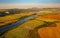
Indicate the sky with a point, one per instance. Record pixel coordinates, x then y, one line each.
28 3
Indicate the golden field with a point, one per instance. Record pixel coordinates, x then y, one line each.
50 32
48 15
12 18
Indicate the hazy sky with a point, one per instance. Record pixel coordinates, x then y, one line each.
28 3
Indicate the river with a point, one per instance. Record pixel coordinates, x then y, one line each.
15 24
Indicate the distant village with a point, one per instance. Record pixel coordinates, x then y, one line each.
4 12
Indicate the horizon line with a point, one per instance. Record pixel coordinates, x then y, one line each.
30 5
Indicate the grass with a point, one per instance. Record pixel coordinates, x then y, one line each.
12 18
23 30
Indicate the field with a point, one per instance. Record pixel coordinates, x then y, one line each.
50 32
46 25
12 18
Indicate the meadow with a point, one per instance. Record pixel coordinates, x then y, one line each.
46 25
